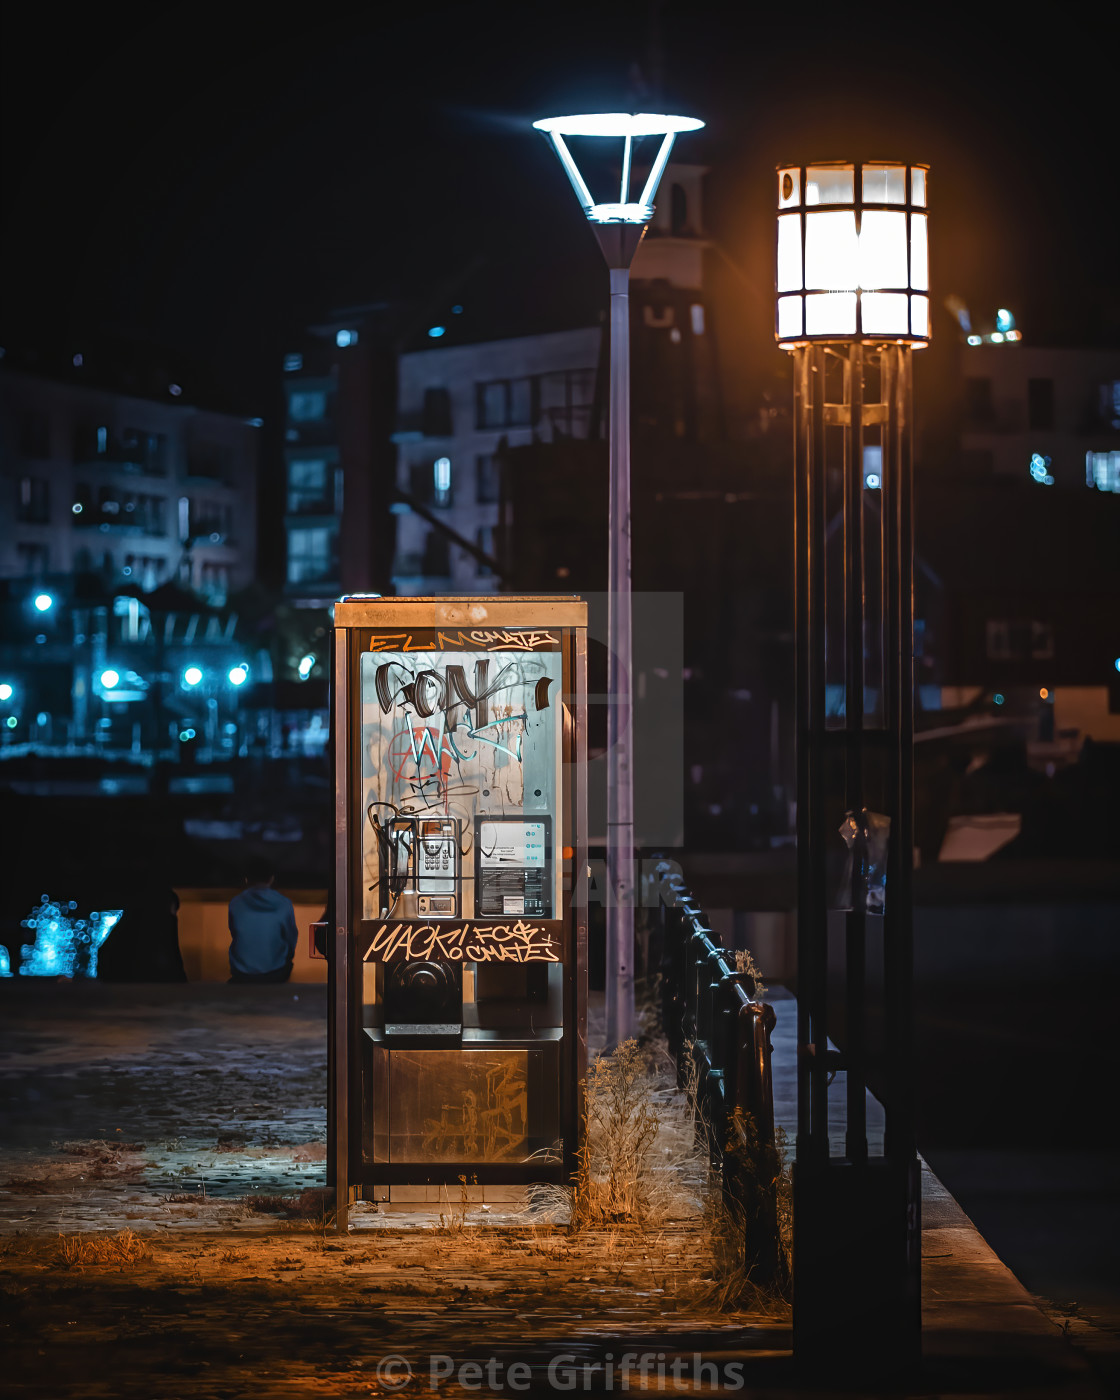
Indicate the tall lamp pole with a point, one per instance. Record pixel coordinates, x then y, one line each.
619 226
853 305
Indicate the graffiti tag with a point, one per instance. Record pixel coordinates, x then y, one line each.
519 942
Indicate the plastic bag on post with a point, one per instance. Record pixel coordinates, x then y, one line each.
865 870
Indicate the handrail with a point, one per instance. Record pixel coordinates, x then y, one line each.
719 1038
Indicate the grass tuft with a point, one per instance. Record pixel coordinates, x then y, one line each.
124 1248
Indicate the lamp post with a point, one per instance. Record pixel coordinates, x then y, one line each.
853 304
619 226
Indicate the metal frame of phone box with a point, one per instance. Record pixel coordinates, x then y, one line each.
502 625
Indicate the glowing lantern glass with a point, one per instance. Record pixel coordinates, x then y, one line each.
853 253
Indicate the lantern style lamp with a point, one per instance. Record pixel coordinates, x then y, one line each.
853 253
852 305
619 220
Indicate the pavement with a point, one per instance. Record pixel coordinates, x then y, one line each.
171 1113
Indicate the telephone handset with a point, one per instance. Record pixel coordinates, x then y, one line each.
424 875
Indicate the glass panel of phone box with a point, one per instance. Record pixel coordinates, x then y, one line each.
462 890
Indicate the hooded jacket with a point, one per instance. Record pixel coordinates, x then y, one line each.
262 925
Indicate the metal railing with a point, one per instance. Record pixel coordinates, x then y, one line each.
719 1037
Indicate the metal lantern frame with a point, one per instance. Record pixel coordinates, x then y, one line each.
856 1230
895 196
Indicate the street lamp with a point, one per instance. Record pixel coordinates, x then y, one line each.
852 304
192 676
110 679
238 674
43 602
618 225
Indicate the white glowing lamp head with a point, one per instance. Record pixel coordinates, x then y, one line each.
853 253
625 127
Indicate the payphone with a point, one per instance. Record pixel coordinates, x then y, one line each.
458 1001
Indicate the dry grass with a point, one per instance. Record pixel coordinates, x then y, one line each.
640 1163
744 962
314 1204
124 1248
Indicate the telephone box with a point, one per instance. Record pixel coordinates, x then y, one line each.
459 942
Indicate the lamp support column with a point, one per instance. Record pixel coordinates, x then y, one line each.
620 776
618 243
856 1201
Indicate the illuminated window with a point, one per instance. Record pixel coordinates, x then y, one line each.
312 554
307 486
307 406
1102 470
441 481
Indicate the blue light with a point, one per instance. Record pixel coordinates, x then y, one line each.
11 721
1040 469
64 946
185 734
456 311
1004 320
1116 663
192 675
43 602
77 507
436 331
239 675
344 338
6 691
998 698
306 666
109 679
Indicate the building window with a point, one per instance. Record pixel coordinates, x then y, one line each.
1040 403
1102 470
144 569
35 435
978 402
213 581
565 399
307 405
33 559
487 478
307 486
210 518
34 500
1019 640
311 554
505 403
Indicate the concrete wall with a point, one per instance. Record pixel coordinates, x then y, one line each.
204 934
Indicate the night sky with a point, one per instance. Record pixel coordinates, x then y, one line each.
213 185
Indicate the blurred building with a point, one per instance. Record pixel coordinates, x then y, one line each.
1047 415
466 406
133 490
339 459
